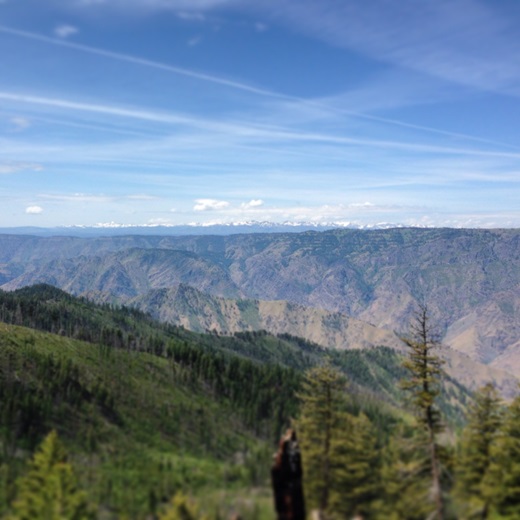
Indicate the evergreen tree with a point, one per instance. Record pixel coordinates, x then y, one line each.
405 478
48 491
502 481
474 455
424 368
339 454
356 469
322 421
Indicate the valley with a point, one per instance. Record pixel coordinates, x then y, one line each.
348 287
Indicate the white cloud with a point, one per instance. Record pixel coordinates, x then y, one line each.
142 196
210 205
33 210
261 27
64 31
20 123
79 197
361 205
255 203
159 222
14 167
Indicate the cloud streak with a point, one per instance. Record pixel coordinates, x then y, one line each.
442 38
259 133
146 63
7 168
237 85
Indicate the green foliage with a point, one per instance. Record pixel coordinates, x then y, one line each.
140 426
424 369
339 453
49 490
405 480
501 485
472 489
181 508
147 409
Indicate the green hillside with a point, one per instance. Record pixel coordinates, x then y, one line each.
147 409
139 425
376 371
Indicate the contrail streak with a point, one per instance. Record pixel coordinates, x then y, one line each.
237 85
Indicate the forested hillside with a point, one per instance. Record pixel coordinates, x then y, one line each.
146 410
150 406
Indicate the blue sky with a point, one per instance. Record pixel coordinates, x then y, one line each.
173 111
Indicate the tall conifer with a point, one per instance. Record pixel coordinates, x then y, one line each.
502 481
472 489
339 453
322 422
424 368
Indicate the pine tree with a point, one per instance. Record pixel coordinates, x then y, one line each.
355 469
502 481
425 370
339 453
48 491
405 478
322 421
474 455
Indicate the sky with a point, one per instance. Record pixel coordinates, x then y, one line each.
173 112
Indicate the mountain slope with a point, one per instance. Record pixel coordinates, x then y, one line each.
130 272
197 311
468 278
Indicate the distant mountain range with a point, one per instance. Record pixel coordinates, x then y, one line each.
337 287
251 226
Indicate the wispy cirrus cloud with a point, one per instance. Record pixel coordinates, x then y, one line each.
20 123
247 132
324 107
78 197
218 80
443 38
192 42
64 31
18 166
191 16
